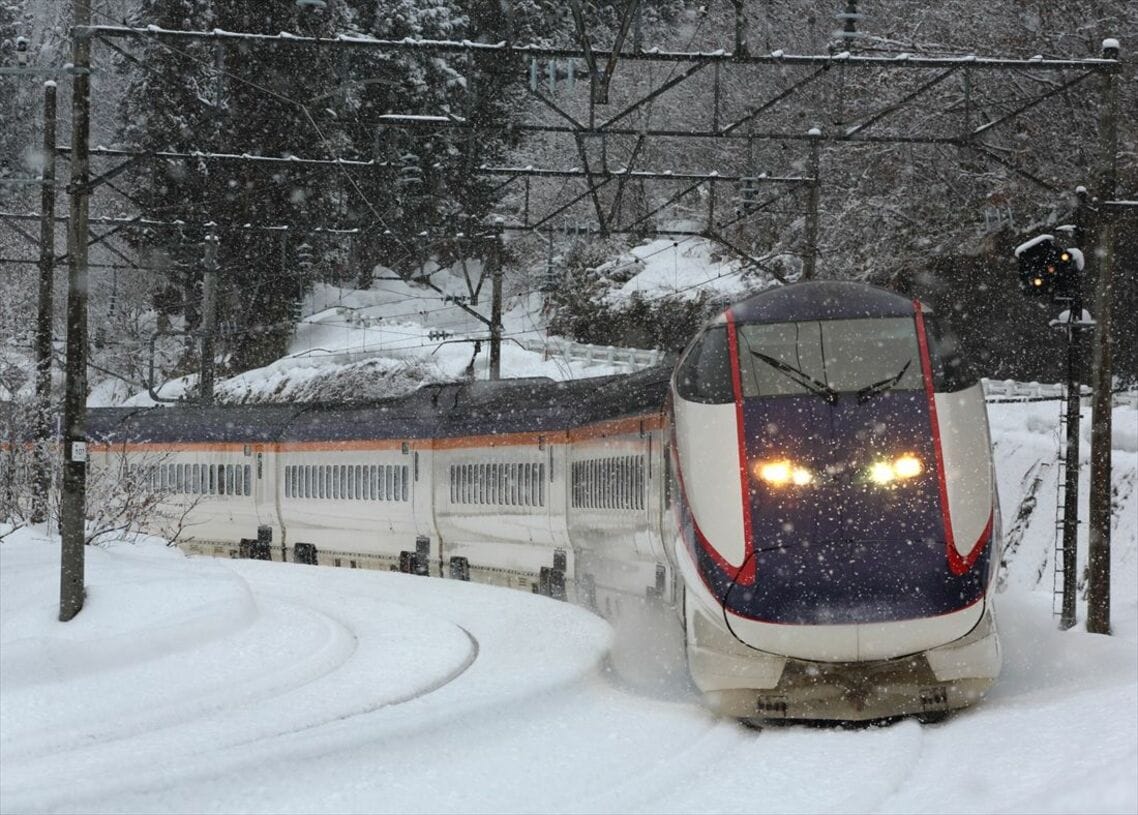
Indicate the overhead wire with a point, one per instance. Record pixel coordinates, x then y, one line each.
303 108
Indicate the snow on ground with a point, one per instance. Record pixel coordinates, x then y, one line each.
394 337
665 266
197 685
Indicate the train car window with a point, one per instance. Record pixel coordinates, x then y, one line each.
405 483
373 494
639 488
704 374
289 475
231 485
345 486
827 357
248 479
350 483
951 372
797 345
211 474
861 353
541 485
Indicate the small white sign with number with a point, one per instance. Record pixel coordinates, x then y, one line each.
79 451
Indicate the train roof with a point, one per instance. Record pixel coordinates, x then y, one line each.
434 411
821 300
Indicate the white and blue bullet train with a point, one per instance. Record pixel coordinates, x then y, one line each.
810 493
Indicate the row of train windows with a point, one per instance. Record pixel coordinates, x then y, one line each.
511 485
195 479
609 483
349 482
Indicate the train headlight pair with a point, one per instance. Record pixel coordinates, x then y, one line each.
901 468
783 473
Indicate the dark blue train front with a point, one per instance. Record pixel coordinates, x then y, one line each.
834 493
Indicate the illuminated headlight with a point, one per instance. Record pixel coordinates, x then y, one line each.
900 469
783 472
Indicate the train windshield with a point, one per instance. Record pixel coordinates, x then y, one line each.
824 358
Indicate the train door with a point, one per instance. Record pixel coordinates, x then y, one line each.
420 463
265 500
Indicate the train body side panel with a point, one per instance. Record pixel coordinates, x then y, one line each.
966 446
493 503
348 501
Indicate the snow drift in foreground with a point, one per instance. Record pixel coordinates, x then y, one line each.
196 685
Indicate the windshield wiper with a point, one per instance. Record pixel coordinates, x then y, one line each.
800 377
870 391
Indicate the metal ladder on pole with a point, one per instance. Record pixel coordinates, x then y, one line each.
1060 556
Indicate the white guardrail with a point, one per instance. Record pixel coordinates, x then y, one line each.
1008 390
628 359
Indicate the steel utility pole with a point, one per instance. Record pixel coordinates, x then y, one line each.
496 303
42 479
1098 560
209 317
810 255
73 505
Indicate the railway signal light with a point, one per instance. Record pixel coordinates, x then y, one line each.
1045 268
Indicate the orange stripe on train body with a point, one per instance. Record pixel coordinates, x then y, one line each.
597 430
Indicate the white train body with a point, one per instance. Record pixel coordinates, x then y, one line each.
638 491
